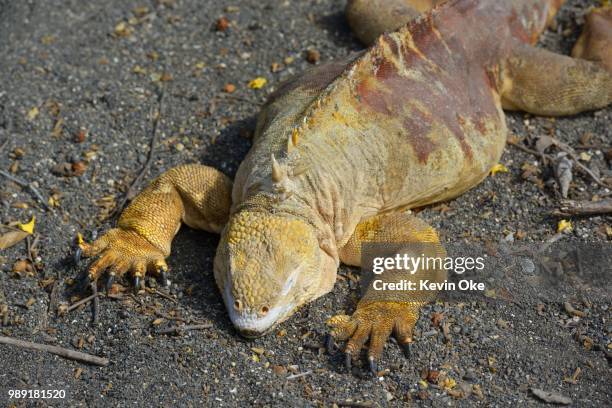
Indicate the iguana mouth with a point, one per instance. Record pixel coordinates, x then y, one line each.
252 325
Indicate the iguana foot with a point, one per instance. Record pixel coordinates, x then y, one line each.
120 251
197 195
375 321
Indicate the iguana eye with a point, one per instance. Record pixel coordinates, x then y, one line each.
238 305
264 310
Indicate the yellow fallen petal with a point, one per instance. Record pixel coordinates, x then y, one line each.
449 383
29 227
564 226
80 239
258 83
499 168
53 202
33 113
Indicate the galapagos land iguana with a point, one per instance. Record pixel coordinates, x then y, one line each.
343 151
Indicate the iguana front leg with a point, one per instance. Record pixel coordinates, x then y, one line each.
197 195
381 313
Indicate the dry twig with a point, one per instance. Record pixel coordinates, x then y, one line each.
180 329
29 186
300 375
571 207
82 302
567 149
60 351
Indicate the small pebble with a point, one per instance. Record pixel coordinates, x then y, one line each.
313 56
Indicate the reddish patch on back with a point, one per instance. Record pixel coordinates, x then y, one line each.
386 38
418 127
455 51
373 98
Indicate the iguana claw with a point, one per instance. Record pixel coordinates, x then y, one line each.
373 366
163 276
137 284
348 361
77 255
407 349
109 282
330 344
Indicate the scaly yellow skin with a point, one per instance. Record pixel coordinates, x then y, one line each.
341 152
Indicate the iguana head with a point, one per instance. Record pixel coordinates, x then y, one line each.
266 267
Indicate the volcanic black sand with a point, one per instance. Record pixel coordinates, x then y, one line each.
79 85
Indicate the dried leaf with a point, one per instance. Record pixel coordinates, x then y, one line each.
29 226
222 24
564 226
586 138
563 173
139 70
436 318
57 128
258 83
22 266
122 29
12 238
499 168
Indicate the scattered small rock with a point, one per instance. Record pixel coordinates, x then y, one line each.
222 24
257 350
279 370
80 136
423 395
313 56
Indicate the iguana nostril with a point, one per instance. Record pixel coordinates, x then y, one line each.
238 305
264 310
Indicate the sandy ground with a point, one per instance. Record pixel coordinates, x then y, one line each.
78 83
